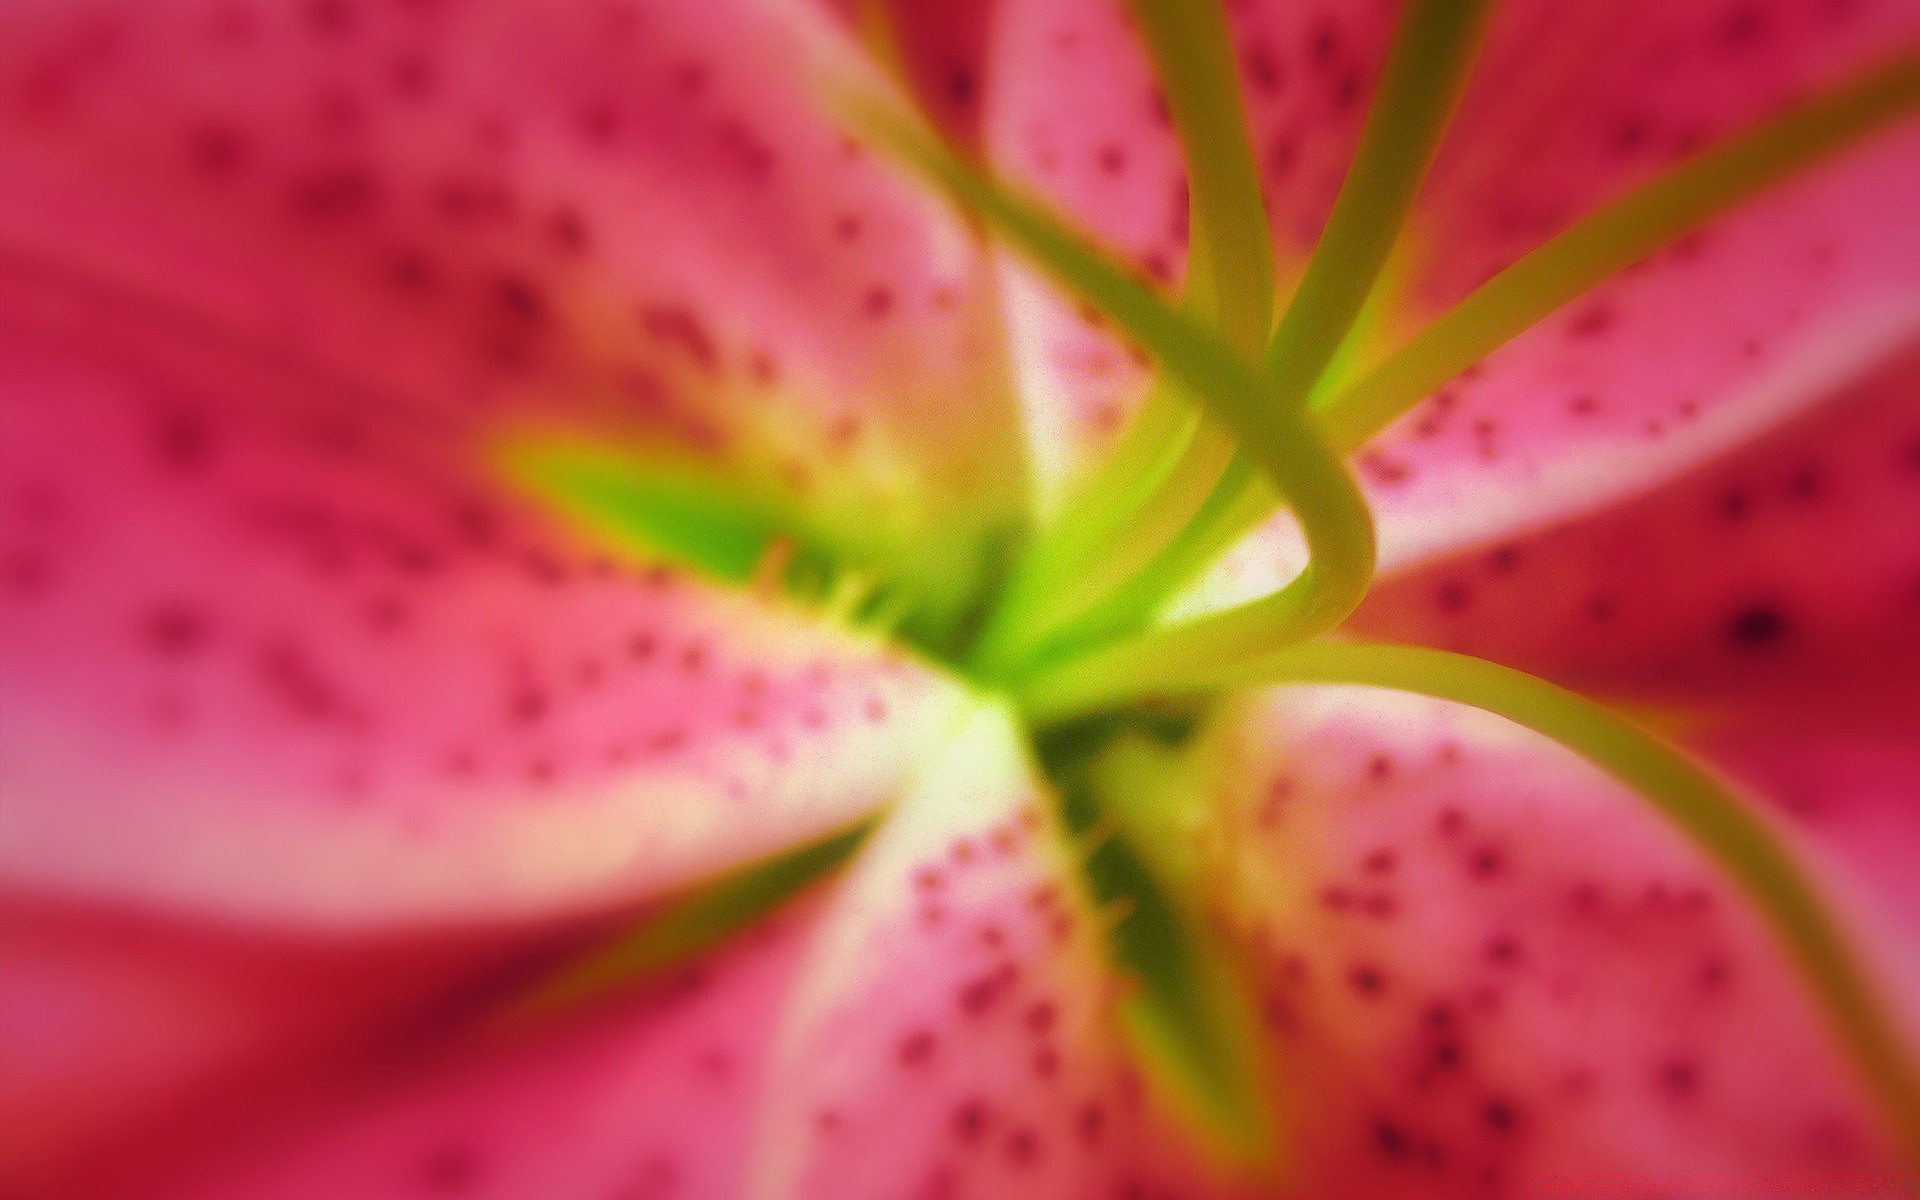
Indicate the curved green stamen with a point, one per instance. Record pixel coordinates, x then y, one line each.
1538 285
1614 238
1070 564
1183 345
1229 277
1339 529
1340 542
1621 233
1744 844
1237 503
1059 591
1426 72
700 919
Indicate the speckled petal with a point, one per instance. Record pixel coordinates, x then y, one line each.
1769 601
1788 564
626 210
954 1033
1850 780
1485 965
271 648
1074 112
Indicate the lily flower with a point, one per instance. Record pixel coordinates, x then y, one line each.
651 599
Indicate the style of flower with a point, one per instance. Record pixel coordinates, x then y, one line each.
665 599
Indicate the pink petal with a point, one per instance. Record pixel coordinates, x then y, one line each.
272 642
129 1042
272 651
1076 113
1487 965
955 1032
1851 782
1772 595
1786 565
648 1099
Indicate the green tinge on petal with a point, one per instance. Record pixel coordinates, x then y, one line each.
1093 532
696 922
1733 834
1142 789
881 39
647 509
739 533
1614 238
1229 281
1192 1017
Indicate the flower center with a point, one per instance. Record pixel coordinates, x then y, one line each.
1247 414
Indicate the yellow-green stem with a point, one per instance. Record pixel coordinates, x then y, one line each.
1193 58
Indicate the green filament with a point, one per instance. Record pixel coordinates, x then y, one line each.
1238 502
1067 566
1613 238
1432 54
1067 576
1229 276
1069 660
1193 57
1339 529
1426 72
1336 579
1096 542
